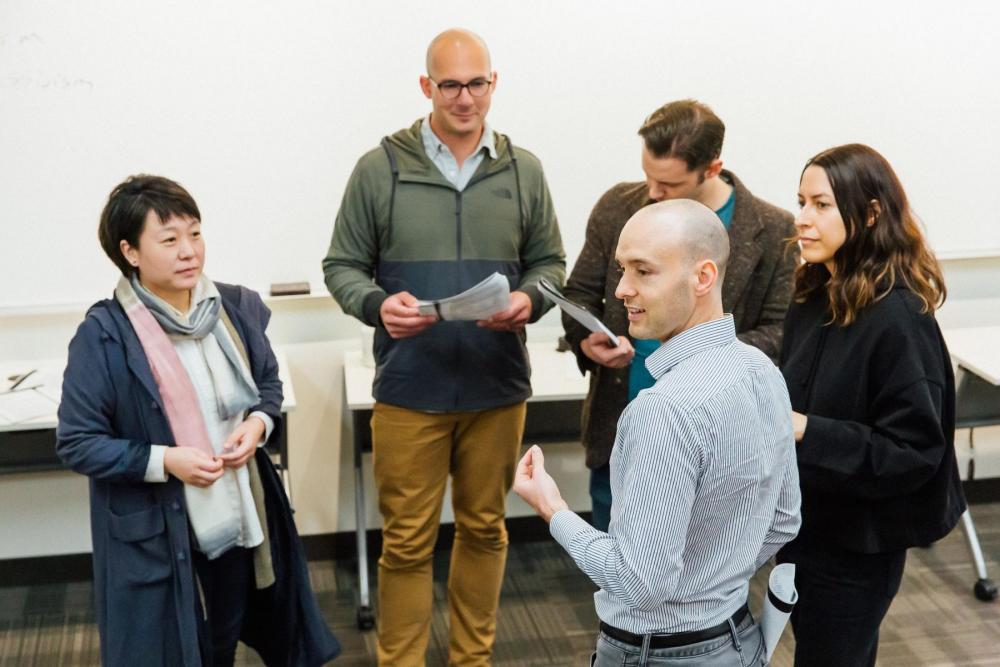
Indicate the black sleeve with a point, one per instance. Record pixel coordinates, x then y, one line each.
902 443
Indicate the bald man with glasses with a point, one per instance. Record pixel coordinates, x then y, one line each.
432 211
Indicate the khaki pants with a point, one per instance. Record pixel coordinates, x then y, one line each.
413 454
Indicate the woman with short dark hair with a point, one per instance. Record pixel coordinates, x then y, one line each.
170 390
873 395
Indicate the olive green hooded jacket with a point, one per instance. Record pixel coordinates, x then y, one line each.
403 227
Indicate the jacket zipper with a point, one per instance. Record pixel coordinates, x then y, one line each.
458 225
458 255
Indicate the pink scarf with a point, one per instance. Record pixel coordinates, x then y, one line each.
180 400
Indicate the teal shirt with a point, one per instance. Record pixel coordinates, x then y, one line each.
638 377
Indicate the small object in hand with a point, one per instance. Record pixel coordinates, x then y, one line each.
289 289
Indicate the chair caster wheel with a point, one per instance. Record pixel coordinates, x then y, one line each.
985 590
366 617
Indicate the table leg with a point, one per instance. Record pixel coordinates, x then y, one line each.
365 615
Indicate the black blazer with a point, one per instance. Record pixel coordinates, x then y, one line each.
877 461
756 290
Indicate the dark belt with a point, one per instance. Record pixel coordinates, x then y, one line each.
676 639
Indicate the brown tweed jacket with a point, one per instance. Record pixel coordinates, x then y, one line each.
757 290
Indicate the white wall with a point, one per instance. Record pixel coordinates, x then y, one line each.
261 109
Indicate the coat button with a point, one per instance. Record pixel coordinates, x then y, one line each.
175 506
181 556
153 405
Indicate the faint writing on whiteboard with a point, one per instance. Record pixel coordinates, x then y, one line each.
26 38
45 82
26 79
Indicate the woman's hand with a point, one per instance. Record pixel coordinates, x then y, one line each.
242 443
192 466
799 422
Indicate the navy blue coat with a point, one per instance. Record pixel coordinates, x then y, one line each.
144 584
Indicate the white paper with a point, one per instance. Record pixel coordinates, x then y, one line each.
489 297
576 311
780 593
23 405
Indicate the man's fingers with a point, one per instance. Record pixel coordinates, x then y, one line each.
597 338
537 458
524 465
418 322
498 318
409 321
406 299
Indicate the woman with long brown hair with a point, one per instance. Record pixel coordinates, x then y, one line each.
873 396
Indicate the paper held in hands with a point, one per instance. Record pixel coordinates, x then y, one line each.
576 311
489 297
781 597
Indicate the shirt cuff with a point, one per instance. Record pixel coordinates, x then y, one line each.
566 525
268 425
155 472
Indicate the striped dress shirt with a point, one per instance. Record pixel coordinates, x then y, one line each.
705 487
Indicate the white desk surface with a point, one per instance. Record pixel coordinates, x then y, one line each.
49 375
554 376
977 349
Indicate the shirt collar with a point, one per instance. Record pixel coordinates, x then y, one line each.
433 146
688 343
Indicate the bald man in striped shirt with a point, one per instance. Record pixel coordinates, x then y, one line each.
703 471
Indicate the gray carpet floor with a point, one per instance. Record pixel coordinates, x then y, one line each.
547 616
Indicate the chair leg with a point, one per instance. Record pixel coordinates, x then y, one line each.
984 589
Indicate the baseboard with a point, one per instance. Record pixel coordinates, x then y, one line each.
41 570
982 490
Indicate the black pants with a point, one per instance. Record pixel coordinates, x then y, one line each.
843 598
226 582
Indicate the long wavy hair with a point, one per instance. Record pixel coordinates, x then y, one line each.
884 245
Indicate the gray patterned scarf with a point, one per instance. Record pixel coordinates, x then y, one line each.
235 389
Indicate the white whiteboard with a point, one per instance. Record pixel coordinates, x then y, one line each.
262 108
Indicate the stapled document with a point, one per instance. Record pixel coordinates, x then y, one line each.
489 297
576 311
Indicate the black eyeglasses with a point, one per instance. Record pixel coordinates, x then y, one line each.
452 89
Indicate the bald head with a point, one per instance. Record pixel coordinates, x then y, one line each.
673 255
452 43
685 224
